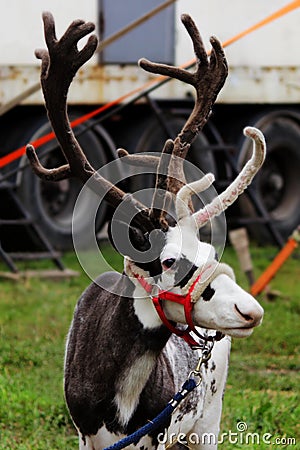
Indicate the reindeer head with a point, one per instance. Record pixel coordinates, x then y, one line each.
180 260
164 250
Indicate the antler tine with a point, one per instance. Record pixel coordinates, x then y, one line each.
184 195
208 79
157 211
145 160
61 173
237 187
59 66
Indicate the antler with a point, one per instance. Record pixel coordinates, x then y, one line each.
208 79
236 188
59 65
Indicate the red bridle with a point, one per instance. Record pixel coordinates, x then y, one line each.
184 300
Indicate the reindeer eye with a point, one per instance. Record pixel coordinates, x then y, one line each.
169 262
208 293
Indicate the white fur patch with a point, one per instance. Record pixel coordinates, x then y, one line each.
143 305
144 309
130 386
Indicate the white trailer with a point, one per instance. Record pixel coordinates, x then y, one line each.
263 88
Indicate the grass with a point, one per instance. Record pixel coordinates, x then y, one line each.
263 383
264 376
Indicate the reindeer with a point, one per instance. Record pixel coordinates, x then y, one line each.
135 336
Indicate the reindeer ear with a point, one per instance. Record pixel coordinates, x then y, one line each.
138 239
143 249
126 238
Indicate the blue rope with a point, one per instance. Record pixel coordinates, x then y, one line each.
159 420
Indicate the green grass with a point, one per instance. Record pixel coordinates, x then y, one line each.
264 377
263 383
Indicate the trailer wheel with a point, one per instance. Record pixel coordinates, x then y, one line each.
277 184
52 203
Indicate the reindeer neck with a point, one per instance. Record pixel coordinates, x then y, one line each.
146 337
125 349
133 315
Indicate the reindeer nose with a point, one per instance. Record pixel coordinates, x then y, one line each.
253 317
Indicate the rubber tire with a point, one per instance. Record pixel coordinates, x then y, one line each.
279 172
42 199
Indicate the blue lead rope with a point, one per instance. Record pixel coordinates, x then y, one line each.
159 420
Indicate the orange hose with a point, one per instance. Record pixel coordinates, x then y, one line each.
16 154
273 268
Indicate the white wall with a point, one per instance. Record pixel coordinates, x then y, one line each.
273 45
22 29
276 44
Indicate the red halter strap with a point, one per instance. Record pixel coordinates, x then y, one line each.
186 301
